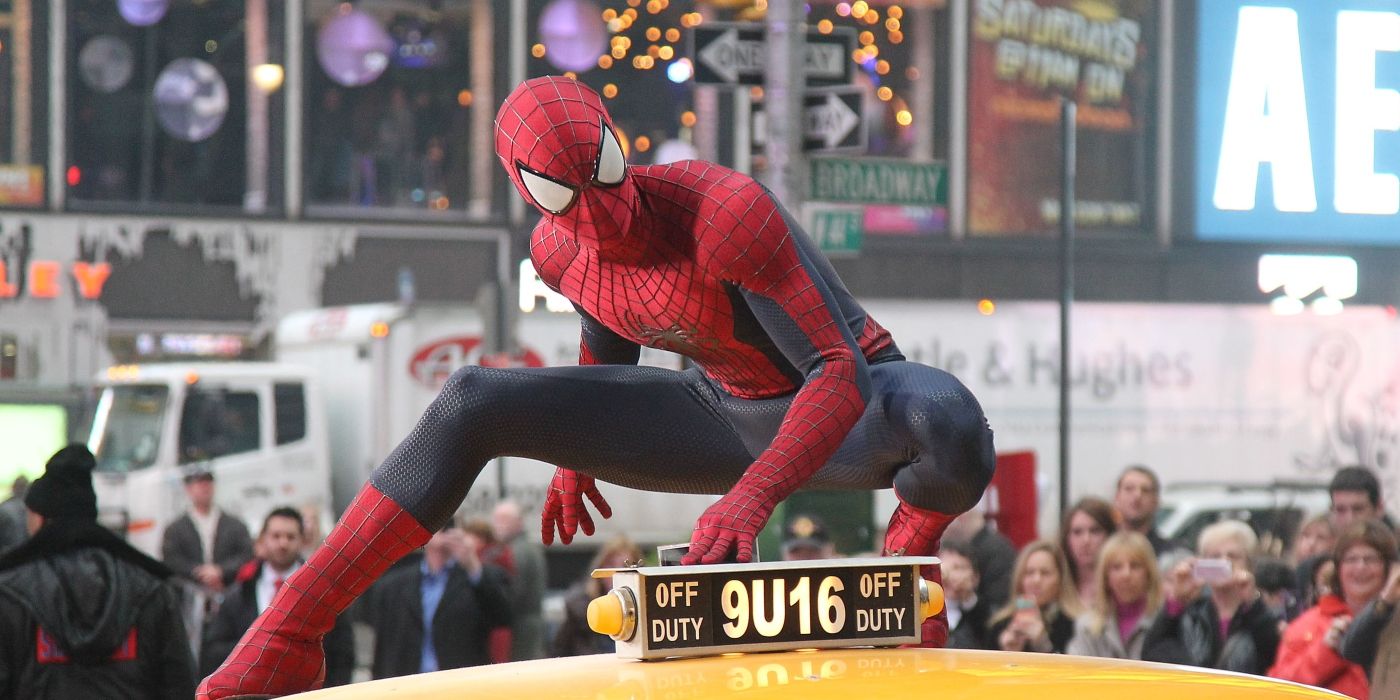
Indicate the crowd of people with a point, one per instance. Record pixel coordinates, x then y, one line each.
1111 586
1108 585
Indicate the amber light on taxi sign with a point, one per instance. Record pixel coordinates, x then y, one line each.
700 610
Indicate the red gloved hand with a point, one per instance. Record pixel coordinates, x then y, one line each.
734 521
564 508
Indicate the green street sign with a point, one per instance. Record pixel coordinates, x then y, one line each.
879 181
836 230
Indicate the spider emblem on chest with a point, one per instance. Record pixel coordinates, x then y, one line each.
675 337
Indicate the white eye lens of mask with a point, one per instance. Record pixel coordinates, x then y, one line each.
611 165
550 195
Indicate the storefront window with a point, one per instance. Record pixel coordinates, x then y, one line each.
175 102
399 103
23 102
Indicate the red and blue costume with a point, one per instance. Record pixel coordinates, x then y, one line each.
794 385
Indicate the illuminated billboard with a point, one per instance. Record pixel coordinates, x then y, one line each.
1297 121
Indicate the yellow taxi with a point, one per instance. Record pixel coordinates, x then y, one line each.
823 630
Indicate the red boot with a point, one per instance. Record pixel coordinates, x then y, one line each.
281 653
917 533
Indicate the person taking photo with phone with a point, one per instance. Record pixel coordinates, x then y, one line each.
1040 616
1214 616
1311 649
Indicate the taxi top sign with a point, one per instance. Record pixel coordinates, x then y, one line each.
666 611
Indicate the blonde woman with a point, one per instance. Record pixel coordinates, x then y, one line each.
574 637
1127 598
1040 616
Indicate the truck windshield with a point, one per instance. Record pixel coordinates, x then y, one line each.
126 429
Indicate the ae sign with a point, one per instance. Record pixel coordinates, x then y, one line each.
1298 121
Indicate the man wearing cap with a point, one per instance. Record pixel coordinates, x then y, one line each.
206 544
82 613
805 538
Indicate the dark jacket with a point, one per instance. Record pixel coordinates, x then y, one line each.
1192 637
463 622
238 611
574 637
1060 626
83 615
993 555
1373 641
971 632
182 550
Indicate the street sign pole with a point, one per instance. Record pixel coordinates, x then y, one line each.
783 88
743 126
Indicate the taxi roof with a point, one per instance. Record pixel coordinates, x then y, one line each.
839 674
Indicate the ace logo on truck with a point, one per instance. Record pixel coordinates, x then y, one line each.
436 361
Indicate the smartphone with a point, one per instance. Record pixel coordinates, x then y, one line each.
1212 571
1026 608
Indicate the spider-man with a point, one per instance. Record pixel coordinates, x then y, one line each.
795 387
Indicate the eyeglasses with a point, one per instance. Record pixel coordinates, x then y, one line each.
1367 560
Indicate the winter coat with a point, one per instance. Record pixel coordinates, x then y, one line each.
1059 625
1373 641
461 627
1304 656
574 637
1108 642
1192 637
83 615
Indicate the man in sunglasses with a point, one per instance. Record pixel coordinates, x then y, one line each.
794 385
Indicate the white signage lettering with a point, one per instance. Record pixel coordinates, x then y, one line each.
1362 110
1266 118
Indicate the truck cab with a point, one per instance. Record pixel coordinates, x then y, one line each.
251 424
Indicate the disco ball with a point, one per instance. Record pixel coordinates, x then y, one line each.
573 34
105 63
142 13
191 99
353 48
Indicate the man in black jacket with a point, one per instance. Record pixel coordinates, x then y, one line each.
82 613
437 615
205 544
280 541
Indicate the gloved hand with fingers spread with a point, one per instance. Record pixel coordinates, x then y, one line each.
733 522
564 508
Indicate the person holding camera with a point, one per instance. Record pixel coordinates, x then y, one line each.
1040 616
1311 651
1214 616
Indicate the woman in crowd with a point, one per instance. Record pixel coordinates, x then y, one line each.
1128 596
574 637
1373 640
967 612
1214 616
1082 534
1312 548
1040 616
1311 648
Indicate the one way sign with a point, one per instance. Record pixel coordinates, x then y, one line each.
733 53
833 120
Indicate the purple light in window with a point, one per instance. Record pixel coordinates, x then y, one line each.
573 34
353 48
142 13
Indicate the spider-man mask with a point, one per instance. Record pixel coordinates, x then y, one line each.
556 141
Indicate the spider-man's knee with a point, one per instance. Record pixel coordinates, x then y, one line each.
956 458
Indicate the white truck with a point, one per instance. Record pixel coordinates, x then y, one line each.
358 378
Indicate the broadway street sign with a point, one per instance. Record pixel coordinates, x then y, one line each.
879 181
